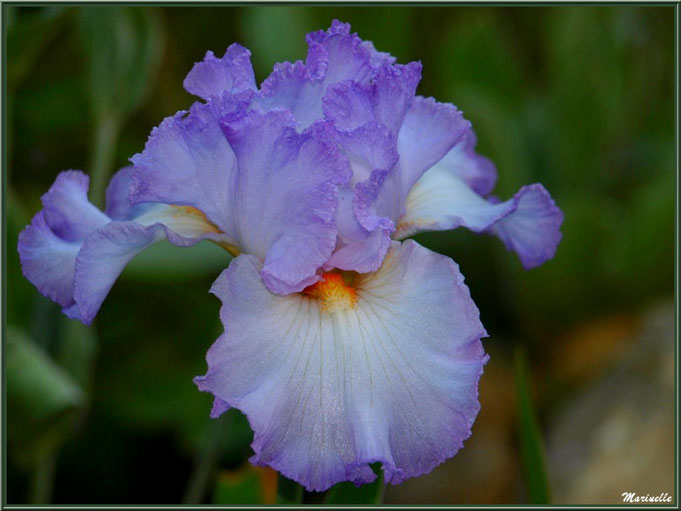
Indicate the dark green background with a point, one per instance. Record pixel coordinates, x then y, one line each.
579 98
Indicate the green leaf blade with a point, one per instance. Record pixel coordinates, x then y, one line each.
45 402
531 443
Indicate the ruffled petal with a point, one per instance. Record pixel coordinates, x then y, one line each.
363 255
67 210
48 261
425 131
372 154
271 190
369 148
286 196
188 161
430 129
338 55
117 193
213 76
391 377
533 230
291 86
72 252
101 260
476 171
378 58
333 56
364 236
105 253
528 224
362 113
385 99
441 201
428 132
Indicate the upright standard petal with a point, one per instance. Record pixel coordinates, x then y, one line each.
291 86
336 54
333 56
188 161
368 118
213 76
364 236
473 169
430 129
428 132
272 191
381 369
424 132
285 197
386 99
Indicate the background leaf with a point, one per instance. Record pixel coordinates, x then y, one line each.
531 443
76 351
123 48
44 399
164 261
28 38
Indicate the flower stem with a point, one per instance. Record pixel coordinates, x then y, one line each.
531 441
288 492
205 462
102 161
42 479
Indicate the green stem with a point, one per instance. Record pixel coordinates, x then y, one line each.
101 164
42 480
380 495
205 461
288 492
531 441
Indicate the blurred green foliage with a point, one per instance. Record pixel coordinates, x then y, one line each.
579 98
42 397
348 493
249 485
531 443
123 48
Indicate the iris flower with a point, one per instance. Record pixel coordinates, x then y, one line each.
73 252
343 346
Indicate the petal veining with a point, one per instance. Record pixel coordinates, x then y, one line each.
270 189
528 223
328 390
73 252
